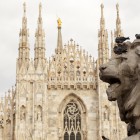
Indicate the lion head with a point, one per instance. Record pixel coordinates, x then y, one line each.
122 73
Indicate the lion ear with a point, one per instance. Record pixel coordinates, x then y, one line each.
138 50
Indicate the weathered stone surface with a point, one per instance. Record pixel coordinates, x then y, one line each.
61 95
122 74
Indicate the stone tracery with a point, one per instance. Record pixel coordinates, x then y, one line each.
72 122
70 68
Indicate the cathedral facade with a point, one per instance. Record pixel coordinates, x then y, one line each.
61 98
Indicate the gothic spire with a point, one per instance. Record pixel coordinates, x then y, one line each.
40 9
24 7
40 40
59 39
102 20
40 16
24 19
118 21
103 50
24 43
118 31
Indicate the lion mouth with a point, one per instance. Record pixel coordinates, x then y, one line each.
110 79
114 83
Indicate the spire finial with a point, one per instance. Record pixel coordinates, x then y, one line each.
24 8
102 7
59 22
59 39
40 9
118 31
24 18
102 20
117 8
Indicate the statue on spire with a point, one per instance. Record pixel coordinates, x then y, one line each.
24 19
102 20
117 7
118 32
102 7
24 8
40 9
59 22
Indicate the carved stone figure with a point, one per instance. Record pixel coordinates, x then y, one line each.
84 135
59 22
60 133
122 73
39 116
8 130
22 115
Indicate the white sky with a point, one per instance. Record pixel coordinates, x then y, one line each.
80 21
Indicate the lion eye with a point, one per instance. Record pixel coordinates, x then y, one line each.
123 59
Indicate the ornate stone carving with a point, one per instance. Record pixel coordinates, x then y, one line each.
60 133
123 75
72 121
84 135
39 116
39 113
22 113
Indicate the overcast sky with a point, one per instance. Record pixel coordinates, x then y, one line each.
80 21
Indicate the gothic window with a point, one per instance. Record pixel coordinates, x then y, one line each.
66 136
72 122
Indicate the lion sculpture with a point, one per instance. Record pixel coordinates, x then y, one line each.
122 73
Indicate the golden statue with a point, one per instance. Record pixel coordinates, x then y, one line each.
59 22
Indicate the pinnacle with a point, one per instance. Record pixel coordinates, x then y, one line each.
102 5
40 9
24 8
59 22
71 40
117 5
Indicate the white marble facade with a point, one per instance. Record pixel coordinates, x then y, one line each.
62 98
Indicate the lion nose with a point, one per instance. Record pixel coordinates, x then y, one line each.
102 68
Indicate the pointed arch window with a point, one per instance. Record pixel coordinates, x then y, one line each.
72 122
